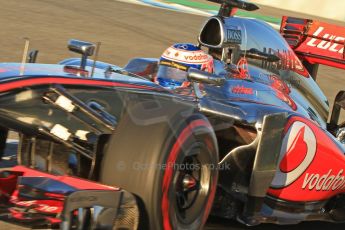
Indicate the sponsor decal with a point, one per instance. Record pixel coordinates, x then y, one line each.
188 57
41 206
326 45
174 65
182 46
242 90
242 68
326 182
297 153
48 209
234 36
197 57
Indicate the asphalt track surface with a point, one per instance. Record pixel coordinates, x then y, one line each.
126 31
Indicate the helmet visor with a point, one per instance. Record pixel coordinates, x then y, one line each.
173 73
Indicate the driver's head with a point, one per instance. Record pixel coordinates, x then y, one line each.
175 62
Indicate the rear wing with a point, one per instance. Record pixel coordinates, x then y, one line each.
315 42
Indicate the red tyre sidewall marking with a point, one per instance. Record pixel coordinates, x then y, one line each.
169 170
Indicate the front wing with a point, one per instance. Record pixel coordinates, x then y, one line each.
40 200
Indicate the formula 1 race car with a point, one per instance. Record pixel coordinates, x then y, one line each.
104 147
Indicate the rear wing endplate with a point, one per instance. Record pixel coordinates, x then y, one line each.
315 42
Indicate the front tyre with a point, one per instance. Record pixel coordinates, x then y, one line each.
170 168
189 180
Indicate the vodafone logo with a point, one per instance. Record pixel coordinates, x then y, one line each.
196 57
188 57
325 182
297 152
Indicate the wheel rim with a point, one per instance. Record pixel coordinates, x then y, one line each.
191 184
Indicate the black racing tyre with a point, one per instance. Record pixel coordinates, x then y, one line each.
171 167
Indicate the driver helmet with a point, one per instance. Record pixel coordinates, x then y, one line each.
175 62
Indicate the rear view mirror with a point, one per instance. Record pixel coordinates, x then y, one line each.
81 47
86 49
198 76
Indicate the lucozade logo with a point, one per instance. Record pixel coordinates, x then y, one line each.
328 43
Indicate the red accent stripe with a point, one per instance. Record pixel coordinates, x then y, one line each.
67 81
168 175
